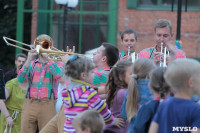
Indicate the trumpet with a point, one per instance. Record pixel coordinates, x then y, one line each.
134 56
129 49
164 54
42 47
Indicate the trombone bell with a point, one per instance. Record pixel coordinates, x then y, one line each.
45 44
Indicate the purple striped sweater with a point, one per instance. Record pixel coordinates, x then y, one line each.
82 98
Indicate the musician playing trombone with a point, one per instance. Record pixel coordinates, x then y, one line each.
162 36
42 76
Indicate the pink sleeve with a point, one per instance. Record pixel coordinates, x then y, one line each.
180 54
96 103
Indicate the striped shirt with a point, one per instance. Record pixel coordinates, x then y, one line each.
101 75
40 76
149 53
79 99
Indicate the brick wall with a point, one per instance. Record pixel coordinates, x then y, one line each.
142 21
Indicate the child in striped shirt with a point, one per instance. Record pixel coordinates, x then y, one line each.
80 96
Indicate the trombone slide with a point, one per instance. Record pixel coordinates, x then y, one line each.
9 44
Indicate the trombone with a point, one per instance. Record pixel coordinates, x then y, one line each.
44 47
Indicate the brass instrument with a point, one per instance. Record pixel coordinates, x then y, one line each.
43 46
53 52
10 44
129 50
134 57
164 54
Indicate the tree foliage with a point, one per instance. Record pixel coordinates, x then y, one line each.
8 13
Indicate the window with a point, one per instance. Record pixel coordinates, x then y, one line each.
88 25
162 4
87 30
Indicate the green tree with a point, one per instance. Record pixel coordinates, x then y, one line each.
8 13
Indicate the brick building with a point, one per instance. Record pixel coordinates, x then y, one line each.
95 21
142 21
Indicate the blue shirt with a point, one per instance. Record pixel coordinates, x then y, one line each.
145 116
177 112
144 96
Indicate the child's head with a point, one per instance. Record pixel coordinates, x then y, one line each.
80 68
158 83
89 121
184 75
142 67
118 78
141 70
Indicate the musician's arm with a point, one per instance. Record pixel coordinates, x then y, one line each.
57 69
23 73
31 56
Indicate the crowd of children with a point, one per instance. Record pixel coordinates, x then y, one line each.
137 94
137 97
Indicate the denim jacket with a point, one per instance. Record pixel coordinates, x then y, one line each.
195 98
144 95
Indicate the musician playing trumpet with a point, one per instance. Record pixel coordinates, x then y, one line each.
128 43
42 76
163 36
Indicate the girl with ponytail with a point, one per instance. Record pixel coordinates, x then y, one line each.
160 90
138 90
116 86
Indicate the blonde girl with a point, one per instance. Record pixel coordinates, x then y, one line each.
160 90
138 90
